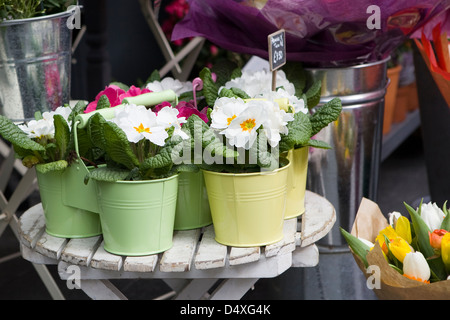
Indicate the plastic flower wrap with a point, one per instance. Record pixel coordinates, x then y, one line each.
410 253
45 141
324 32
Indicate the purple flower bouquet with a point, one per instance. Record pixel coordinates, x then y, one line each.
318 32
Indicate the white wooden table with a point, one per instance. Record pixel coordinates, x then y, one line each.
191 267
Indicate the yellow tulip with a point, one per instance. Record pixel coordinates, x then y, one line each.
400 248
445 250
390 233
403 228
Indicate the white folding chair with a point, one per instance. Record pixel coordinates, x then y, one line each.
189 52
8 208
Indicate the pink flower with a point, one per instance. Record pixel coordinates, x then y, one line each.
158 107
185 109
115 96
132 92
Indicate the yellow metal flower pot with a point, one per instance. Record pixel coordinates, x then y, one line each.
296 185
247 209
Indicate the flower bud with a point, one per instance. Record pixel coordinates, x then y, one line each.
415 267
403 228
436 238
432 215
445 250
400 248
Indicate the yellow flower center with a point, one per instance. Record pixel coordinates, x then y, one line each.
230 119
141 129
248 125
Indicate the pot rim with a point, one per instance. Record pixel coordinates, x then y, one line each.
68 12
141 181
229 174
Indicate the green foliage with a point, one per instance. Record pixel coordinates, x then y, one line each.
358 247
325 114
23 9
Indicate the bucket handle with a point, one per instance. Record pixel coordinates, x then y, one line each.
147 99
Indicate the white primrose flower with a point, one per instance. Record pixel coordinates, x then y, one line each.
432 215
296 103
139 123
63 111
242 131
226 110
169 83
257 83
275 122
44 128
39 129
168 117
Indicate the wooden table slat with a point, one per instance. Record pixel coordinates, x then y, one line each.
80 251
210 254
179 257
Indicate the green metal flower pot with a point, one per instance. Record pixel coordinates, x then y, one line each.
138 216
62 220
192 205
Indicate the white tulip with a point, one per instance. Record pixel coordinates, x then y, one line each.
415 267
432 215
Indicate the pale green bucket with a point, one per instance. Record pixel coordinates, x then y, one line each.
62 220
192 205
138 216
247 208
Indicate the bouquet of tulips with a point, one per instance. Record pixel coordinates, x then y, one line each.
413 255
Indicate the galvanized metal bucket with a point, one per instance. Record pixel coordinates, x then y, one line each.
35 63
349 171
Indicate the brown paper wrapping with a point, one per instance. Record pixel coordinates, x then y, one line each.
393 286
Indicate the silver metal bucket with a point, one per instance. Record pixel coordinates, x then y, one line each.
349 171
35 61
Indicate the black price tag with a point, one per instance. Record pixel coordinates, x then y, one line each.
277 49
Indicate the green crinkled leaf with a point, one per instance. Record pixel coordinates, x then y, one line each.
62 136
233 93
117 146
223 70
316 144
121 85
325 114
299 134
95 131
313 94
236 73
10 132
296 75
154 76
51 166
77 109
209 87
107 174
103 102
